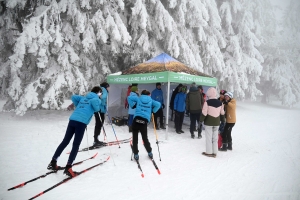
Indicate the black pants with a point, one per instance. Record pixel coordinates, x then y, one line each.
179 120
194 117
136 127
159 114
99 123
226 135
74 128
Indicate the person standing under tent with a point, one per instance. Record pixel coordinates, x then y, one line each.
145 105
187 111
222 99
200 125
128 93
173 98
100 116
179 108
230 107
131 111
194 106
157 95
80 118
212 114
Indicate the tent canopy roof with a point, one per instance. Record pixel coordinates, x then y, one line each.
162 68
162 63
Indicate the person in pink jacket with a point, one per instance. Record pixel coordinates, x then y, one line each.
212 114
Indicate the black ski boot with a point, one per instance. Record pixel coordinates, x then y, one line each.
229 146
69 172
224 147
97 142
53 165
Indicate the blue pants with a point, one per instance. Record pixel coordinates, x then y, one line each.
73 127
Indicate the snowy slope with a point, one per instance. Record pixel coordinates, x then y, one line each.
264 163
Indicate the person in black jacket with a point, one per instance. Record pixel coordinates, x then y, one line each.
173 98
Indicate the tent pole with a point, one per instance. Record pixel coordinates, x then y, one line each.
168 104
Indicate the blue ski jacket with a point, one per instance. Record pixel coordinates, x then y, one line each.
157 95
144 106
131 111
85 107
179 102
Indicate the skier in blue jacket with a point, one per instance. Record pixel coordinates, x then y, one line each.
144 108
158 95
80 118
100 116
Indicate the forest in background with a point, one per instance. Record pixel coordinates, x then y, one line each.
50 49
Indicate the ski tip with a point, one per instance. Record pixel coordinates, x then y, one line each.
158 171
108 158
142 175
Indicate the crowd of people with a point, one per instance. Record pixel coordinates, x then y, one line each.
218 115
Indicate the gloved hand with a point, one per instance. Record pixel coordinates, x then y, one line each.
226 102
70 107
163 106
133 107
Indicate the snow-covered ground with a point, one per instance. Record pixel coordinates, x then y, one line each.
264 163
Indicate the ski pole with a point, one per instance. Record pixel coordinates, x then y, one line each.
113 128
87 140
156 136
105 136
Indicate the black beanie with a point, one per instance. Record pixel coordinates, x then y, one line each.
104 84
157 84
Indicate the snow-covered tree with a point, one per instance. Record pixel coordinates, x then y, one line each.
280 76
50 49
242 58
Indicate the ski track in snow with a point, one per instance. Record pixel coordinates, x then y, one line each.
264 163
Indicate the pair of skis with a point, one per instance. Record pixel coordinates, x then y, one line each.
139 165
140 168
64 180
105 144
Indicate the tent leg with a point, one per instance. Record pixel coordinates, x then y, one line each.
168 105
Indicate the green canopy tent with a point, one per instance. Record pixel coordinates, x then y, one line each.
164 69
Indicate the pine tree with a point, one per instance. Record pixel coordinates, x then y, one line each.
242 57
280 76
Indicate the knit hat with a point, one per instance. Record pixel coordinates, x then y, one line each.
104 84
134 84
134 89
222 92
157 84
229 94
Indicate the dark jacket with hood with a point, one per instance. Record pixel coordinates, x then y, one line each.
194 101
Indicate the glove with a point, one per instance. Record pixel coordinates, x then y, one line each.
70 107
163 106
133 107
226 102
